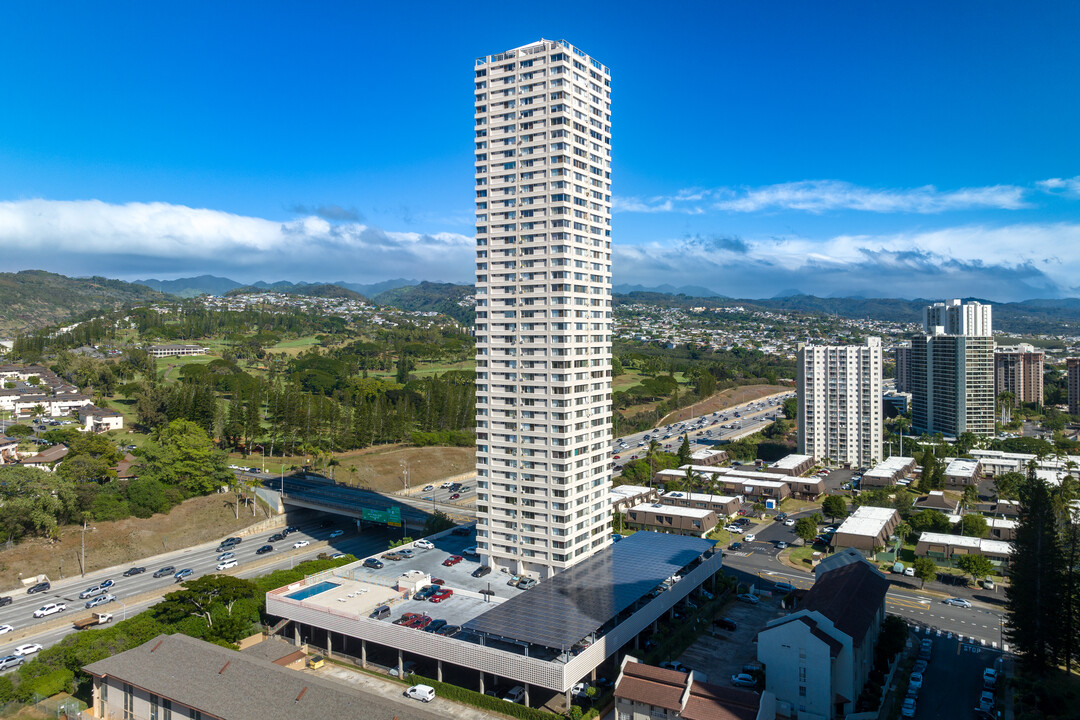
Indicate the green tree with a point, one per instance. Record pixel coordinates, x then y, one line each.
19 431
834 506
183 455
973 526
929 521
35 502
684 451
1033 595
925 569
976 566
791 408
928 479
806 528
437 522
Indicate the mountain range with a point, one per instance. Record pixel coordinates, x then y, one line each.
213 285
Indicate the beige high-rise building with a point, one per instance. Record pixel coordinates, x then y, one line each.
840 402
543 307
1072 367
1018 369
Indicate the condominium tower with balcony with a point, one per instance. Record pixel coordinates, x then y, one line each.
543 307
840 402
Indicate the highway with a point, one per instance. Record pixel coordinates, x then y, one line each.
703 430
135 594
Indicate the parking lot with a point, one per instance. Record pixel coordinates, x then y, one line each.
723 653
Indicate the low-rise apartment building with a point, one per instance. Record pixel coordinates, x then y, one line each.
646 692
693 522
722 505
888 472
624 497
160 351
817 659
867 528
793 464
942 547
95 419
960 472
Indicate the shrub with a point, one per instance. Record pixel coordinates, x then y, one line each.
484 702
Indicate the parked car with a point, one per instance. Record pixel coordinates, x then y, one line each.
743 680
167 570
435 626
448 630
481 571
748 598
784 587
426 592
134 571
515 695
990 676
528 583
452 560
423 693
444 594
264 549
781 545
392 555
49 609
675 665
460 531
958 602
424 544
908 708
915 679
374 563
40 587
726 624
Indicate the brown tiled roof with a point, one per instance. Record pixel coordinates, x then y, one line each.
123 468
713 702
50 455
652 685
851 597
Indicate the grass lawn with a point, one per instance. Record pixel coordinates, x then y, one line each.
802 555
294 346
169 368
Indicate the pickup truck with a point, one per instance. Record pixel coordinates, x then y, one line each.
95 619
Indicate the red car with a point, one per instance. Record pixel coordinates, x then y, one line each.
406 617
452 560
455 496
422 623
416 621
443 594
617 457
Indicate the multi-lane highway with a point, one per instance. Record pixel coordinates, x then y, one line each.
138 592
703 430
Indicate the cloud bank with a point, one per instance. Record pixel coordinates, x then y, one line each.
819 196
1010 262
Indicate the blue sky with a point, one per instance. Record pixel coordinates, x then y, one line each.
918 150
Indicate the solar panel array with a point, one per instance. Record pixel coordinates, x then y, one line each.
563 610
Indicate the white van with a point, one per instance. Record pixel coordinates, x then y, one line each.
516 694
423 693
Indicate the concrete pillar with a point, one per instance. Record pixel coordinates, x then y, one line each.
568 701
592 675
296 634
363 654
671 613
526 694
655 627
329 644
637 641
439 671
481 683
400 665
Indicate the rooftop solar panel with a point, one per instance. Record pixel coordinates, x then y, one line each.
561 611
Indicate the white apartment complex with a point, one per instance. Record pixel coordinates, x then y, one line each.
839 391
543 307
958 318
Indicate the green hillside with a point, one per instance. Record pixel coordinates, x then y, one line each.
445 298
32 299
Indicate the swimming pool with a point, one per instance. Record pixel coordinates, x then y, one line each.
311 591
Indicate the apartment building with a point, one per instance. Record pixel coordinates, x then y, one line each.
543 306
1018 369
1072 367
902 357
839 391
952 371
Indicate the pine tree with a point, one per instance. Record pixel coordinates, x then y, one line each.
684 451
1034 593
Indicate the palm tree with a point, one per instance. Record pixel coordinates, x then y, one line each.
650 455
693 479
1006 403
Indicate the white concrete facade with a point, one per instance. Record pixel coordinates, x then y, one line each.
840 407
543 307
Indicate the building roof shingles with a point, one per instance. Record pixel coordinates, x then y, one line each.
851 596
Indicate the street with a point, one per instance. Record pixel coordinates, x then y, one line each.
202 559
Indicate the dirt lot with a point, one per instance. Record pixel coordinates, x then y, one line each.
117 543
381 468
724 399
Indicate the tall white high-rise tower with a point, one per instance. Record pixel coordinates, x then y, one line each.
543 307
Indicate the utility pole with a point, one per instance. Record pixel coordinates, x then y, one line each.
83 561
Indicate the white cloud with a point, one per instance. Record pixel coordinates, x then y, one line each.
819 196
145 236
1069 187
